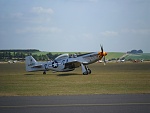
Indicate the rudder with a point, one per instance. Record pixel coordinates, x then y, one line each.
29 61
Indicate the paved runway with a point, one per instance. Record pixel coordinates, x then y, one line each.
128 103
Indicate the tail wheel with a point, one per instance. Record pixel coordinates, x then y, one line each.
44 72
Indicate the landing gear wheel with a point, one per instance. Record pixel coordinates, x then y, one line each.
85 73
89 71
44 72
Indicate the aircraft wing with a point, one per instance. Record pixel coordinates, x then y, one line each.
85 63
37 66
73 64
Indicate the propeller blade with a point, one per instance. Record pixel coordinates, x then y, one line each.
101 48
103 54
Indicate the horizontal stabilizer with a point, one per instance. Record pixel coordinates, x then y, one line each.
37 66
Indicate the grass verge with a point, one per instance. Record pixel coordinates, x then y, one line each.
114 78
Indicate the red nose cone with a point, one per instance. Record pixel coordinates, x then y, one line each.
104 53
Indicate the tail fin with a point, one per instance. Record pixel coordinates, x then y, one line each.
30 61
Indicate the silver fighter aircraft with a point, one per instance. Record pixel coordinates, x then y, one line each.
64 62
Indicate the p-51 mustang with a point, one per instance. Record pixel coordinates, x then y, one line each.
64 62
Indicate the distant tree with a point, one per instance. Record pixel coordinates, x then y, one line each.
17 55
56 55
140 51
9 55
22 55
134 51
36 57
1 55
14 55
49 55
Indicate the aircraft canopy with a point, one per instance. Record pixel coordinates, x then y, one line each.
61 57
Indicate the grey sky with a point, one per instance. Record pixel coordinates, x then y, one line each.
75 25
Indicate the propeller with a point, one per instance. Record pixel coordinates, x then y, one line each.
102 54
101 48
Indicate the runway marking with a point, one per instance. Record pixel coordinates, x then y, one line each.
74 105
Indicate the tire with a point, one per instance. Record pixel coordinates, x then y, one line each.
85 73
89 71
44 73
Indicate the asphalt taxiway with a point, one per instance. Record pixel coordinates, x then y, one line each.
124 103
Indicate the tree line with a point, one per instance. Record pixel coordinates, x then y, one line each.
11 55
15 54
5 56
48 56
19 54
21 50
135 51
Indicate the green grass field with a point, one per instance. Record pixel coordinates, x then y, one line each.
113 78
114 55
144 56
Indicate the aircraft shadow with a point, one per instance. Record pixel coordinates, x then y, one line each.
61 74
29 74
36 74
68 74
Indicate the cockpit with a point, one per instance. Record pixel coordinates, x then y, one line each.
61 57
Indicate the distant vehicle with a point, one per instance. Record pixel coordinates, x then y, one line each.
15 61
11 61
136 61
121 60
64 62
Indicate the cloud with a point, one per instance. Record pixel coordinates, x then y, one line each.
125 32
38 30
109 33
41 10
87 36
17 15
93 0
137 31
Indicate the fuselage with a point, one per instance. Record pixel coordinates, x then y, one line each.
63 62
59 64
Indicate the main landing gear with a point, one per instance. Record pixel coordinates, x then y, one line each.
85 70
